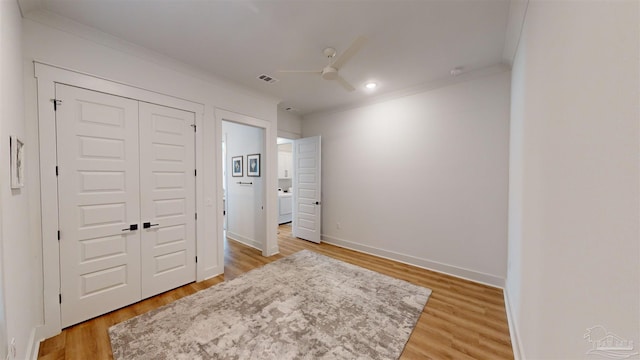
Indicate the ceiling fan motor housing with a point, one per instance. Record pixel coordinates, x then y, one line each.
329 73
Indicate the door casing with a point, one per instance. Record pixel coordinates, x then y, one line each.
47 76
270 174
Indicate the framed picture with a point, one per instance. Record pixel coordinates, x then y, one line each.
236 166
17 162
253 165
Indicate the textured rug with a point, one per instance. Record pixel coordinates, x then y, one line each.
304 306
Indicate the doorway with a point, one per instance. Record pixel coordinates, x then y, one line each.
243 183
299 186
285 180
266 178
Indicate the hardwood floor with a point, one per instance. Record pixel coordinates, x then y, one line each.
462 319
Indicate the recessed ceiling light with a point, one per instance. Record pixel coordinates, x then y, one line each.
370 85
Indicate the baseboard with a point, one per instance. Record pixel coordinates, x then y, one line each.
459 272
516 344
273 251
213 272
244 240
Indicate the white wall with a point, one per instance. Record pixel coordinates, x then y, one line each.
19 259
53 40
289 124
574 212
422 178
245 220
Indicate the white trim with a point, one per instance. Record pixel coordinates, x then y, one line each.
48 204
33 347
288 135
424 87
466 274
214 265
63 75
516 342
201 272
93 35
244 240
47 76
273 251
270 247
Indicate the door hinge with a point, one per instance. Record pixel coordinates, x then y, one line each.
196 259
60 298
195 172
194 127
58 235
56 103
196 216
56 170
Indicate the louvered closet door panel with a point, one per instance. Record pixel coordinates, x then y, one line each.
98 189
167 188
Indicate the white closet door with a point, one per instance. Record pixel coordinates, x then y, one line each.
167 192
98 190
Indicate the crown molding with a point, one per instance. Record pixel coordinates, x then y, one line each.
420 88
50 19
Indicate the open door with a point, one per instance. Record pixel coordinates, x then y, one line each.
306 189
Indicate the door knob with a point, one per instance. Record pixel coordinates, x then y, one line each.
131 227
317 202
148 225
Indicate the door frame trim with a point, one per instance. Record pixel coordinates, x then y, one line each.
270 175
46 78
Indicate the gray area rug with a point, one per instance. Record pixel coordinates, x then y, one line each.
304 306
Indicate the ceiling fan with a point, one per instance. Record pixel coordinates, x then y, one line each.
330 72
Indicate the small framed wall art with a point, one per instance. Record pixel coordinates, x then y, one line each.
236 166
253 165
17 162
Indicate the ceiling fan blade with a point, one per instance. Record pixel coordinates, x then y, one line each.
301 71
347 54
345 84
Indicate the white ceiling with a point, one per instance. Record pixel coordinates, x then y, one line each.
409 42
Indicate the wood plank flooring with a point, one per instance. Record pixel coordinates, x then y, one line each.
462 319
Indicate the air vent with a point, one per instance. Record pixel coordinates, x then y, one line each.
268 79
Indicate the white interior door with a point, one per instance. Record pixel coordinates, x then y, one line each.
167 192
98 191
307 189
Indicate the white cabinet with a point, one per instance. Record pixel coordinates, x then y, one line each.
285 208
285 165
